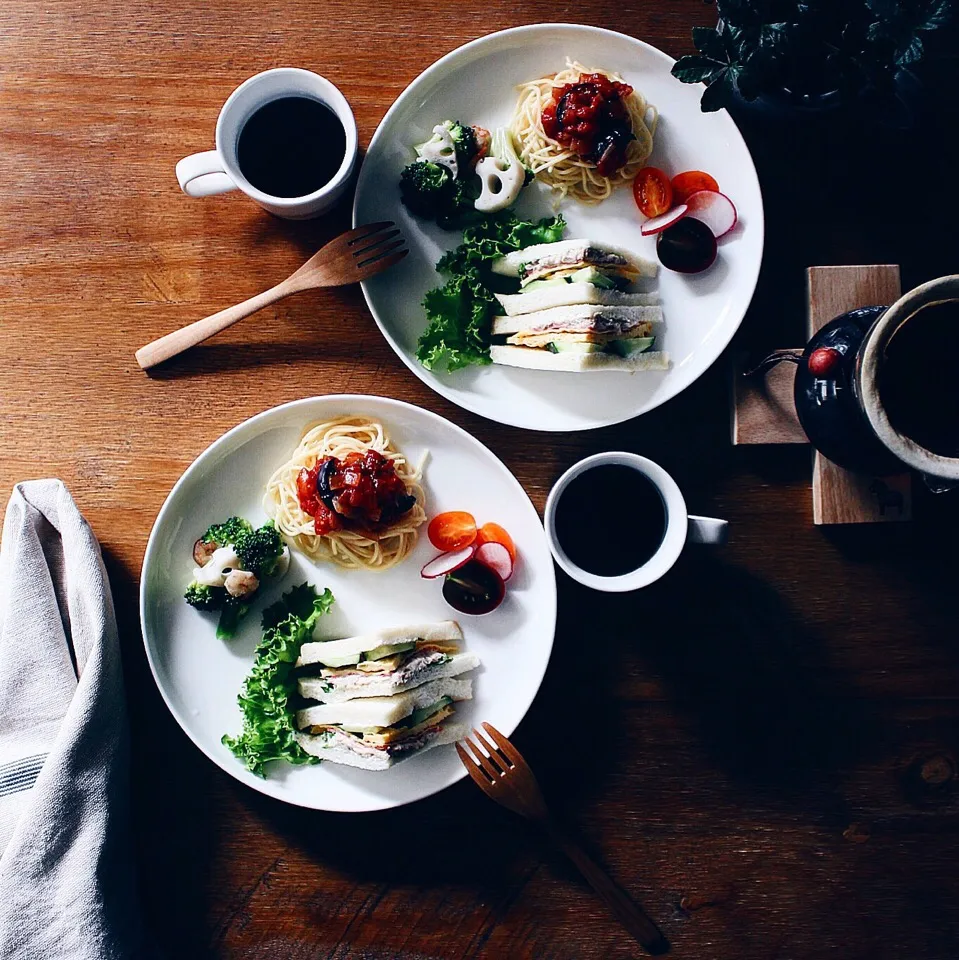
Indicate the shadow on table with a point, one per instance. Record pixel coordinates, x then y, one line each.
754 681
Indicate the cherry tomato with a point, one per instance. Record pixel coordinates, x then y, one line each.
494 533
687 183
652 192
452 530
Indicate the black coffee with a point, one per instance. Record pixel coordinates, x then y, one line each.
291 147
918 385
610 520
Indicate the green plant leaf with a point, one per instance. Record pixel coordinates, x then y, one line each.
709 43
697 69
718 94
912 52
772 36
938 16
749 81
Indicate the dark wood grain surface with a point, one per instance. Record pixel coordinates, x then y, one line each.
761 747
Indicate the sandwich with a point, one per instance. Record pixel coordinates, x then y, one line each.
566 292
580 337
373 733
566 258
382 663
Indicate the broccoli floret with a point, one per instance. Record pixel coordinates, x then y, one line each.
260 550
203 597
234 610
464 139
425 188
227 532
459 211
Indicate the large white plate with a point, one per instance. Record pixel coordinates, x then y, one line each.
476 84
200 676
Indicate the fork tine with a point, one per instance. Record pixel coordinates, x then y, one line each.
472 769
505 747
487 763
372 267
364 231
490 748
375 255
375 240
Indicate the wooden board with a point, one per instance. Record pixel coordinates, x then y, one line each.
840 496
764 410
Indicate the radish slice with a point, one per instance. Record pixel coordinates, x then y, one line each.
664 220
496 557
715 209
447 562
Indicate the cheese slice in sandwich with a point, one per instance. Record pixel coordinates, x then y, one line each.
567 256
375 732
569 294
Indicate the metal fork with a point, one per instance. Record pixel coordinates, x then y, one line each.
503 775
349 258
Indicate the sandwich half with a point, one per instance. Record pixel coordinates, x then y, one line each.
373 733
565 293
580 337
382 663
564 258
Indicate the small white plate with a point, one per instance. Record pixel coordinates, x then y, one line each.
477 84
200 676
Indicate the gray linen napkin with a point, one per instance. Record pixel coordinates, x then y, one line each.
66 867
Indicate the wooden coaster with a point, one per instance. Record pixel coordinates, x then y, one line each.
764 411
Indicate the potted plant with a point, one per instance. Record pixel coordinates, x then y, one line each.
809 53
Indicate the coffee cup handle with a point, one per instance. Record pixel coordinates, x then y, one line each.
202 175
707 530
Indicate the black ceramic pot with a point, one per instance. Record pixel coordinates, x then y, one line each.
837 393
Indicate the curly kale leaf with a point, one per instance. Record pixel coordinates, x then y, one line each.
268 722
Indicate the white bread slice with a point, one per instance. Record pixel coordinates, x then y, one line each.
342 748
384 711
350 646
567 294
358 684
578 318
545 257
573 362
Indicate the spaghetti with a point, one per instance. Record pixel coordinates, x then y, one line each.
562 168
377 549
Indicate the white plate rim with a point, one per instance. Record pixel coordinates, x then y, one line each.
434 383
249 425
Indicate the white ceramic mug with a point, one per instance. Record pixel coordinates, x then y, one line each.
681 528
217 171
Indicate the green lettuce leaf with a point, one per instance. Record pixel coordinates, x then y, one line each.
268 728
460 312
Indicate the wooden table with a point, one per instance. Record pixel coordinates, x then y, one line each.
762 746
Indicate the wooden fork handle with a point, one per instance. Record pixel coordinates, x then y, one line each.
624 909
189 336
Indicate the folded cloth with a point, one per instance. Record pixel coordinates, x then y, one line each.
66 868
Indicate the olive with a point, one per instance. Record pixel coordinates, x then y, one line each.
474 588
688 246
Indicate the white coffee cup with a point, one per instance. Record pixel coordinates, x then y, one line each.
681 528
217 171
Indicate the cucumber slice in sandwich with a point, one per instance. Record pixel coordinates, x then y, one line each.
629 348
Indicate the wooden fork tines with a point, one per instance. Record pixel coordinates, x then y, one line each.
500 771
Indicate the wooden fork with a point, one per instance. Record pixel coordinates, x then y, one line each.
502 774
349 258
